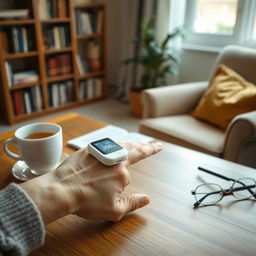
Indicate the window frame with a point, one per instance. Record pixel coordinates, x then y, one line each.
242 34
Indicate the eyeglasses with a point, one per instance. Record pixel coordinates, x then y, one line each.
211 193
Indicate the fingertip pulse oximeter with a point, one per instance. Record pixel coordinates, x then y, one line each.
107 151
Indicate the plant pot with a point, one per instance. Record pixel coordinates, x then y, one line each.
135 103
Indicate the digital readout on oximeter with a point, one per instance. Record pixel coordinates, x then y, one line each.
106 146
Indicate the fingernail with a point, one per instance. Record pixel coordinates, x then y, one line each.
159 144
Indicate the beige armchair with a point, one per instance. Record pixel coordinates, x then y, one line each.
165 114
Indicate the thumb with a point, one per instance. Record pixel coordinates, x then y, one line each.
132 202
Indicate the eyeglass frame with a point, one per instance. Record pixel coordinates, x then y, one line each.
225 192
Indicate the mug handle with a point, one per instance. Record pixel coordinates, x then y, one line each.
7 151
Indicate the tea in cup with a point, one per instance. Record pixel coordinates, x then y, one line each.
40 146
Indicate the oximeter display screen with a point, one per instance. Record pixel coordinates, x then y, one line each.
106 146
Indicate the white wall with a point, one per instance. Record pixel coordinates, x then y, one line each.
119 27
195 65
113 38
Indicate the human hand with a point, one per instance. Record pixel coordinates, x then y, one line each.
83 186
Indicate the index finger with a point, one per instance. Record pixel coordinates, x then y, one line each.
139 150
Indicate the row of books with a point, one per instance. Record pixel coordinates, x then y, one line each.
58 65
61 93
88 22
28 100
56 37
17 39
20 77
53 8
90 88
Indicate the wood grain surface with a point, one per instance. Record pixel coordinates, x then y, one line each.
168 225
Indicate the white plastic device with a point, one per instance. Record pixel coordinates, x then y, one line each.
107 151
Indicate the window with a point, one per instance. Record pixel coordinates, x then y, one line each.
215 23
215 17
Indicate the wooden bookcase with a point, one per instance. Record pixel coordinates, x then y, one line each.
77 85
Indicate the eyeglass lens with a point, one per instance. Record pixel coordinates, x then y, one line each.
208 193
245 193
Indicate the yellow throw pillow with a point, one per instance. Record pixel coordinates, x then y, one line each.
227 96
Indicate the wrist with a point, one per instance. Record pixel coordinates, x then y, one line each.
48 197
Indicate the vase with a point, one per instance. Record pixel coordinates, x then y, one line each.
94 65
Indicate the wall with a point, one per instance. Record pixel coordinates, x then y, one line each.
113 37
196 65
119 26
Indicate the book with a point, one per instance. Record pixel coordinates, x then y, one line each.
28 107
24 39
69 90
18 102
79 64
20 40
32 98
113 132
65 64
15 39
52 67
15 98
9 75
55 95
89 88
57 40
87 23
61 93
14 14
82 90
42 9
29 76
98 87
38 98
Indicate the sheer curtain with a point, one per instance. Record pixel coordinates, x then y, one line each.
139 10
176 19
170 15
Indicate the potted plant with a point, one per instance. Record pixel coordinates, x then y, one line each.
157 60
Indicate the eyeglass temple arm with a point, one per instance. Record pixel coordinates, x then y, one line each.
225 178
215 174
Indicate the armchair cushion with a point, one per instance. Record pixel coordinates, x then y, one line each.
172 99
228 95
186 131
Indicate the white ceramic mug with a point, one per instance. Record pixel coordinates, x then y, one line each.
41 154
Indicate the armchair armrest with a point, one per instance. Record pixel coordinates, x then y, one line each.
240 142
172 100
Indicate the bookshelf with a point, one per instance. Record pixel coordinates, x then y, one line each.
52 59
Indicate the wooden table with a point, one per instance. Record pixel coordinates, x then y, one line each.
169 225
